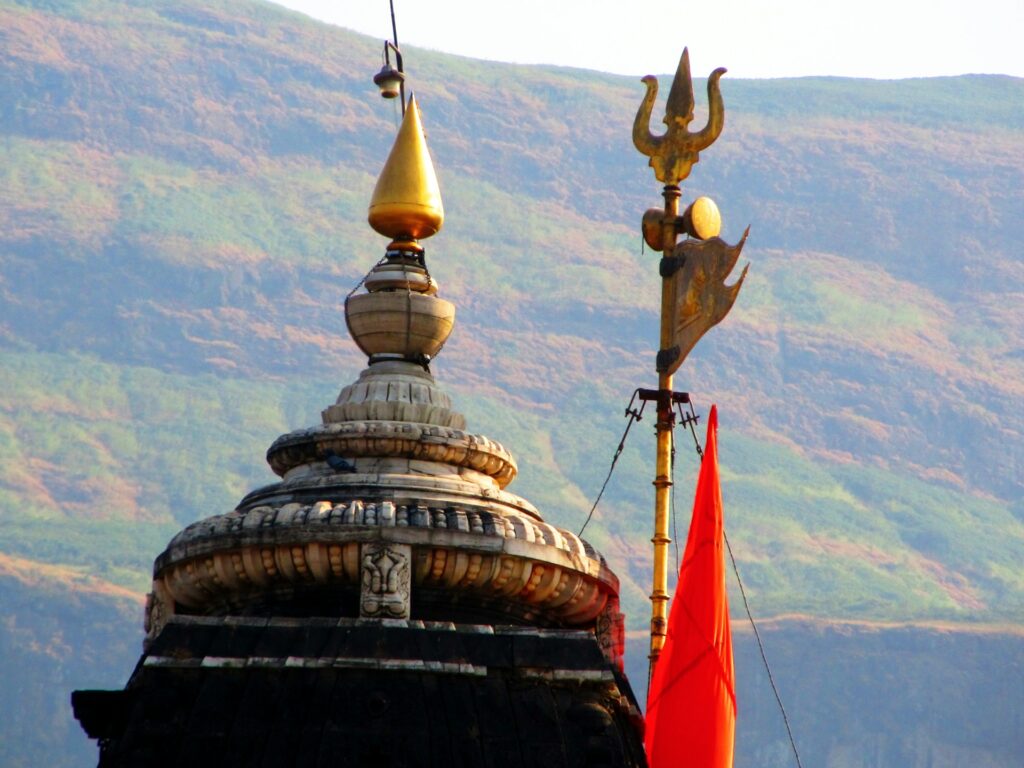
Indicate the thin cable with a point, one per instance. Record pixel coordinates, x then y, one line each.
408 318
634 415
746 606
760 647
650 676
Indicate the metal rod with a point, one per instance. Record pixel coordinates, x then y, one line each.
398 54
394 28
663 460
401 83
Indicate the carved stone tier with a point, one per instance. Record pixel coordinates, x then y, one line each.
471 559
393 439
402 276
395 391
401 481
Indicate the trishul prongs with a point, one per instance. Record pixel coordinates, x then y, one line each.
673 155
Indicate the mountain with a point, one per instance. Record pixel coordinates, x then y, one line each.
183 190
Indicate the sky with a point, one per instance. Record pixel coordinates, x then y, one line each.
753 38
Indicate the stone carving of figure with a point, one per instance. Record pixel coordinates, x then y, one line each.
386 581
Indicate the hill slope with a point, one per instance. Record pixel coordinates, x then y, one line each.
182 201
204 218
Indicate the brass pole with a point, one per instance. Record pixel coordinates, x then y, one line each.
663 461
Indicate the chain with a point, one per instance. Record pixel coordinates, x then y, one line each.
360 283
634 414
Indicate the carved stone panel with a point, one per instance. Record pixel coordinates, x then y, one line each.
386 580
610 628
159 608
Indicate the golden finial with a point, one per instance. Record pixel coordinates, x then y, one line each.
406 203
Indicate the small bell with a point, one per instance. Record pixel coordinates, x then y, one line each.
389 80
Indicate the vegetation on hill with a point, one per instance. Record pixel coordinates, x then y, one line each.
182 211
176 246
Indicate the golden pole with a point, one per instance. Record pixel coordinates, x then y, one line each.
663 461
672 155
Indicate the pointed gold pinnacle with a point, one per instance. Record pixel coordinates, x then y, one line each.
406 202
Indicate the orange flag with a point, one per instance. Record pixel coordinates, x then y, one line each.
691 705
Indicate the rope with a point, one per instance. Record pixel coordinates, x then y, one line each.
634 415
690 421
430 284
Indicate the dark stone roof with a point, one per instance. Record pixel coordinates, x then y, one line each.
359 692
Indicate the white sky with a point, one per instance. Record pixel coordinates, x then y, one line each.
753 38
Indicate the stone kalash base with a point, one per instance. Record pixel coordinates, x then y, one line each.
388 602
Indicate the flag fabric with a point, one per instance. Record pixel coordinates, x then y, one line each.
691 704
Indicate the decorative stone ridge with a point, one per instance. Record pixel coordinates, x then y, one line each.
392 439
325 515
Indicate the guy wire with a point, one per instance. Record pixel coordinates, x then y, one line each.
750 617
634 415
760 647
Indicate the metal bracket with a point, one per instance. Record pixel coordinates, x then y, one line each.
663 394
665 359
665 398
669 265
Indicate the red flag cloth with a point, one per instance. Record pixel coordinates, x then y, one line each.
691 704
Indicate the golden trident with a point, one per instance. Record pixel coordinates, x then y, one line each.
694 296
673 154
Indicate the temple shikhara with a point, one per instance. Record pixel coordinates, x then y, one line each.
389 601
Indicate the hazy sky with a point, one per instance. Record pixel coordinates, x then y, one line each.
769 38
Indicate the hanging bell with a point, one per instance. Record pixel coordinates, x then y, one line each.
389 80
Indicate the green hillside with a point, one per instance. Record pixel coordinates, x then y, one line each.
183 189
